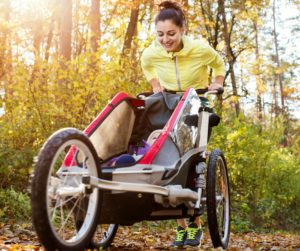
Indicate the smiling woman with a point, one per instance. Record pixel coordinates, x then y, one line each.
175 62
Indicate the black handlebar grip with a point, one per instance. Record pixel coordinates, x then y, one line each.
220 90
202 91
205 90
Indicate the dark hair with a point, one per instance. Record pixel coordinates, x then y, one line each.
171 11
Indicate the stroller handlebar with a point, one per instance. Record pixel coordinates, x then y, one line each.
204 91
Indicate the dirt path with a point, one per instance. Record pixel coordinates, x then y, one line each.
143 237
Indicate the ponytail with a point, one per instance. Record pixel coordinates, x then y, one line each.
171 11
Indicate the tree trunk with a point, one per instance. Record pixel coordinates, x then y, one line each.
275 107
216 30
37 39
79 40
230 55
151 8
186 14
33 88
277 59
131 30
257 75
48 43
5 14
279 78
206 22
95 24
54 19
65 29
6 54
211 14
111 16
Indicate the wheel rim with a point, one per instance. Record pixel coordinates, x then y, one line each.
71 213
222 198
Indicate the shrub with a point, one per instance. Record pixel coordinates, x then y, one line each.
265 178
14 205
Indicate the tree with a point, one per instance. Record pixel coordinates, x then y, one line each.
65 29
131 28
210 20
3 36
5 49
37 39
185 7
50 34
95 24
278 74
278 78
258 78
231 57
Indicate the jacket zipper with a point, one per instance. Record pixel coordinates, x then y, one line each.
177 72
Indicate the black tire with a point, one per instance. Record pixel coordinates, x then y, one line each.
104 235
218 199
65 220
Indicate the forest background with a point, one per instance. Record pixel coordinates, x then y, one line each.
62 60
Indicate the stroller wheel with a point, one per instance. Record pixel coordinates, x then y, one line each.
64 211
218 199
104 235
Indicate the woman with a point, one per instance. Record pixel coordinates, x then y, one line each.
175 62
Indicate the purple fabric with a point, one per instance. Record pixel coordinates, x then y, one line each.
139 150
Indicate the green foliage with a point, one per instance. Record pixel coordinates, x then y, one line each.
265 177
14 205
44 98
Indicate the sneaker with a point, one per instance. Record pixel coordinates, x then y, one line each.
194 235
180 237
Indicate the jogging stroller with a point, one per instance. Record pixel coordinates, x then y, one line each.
142 158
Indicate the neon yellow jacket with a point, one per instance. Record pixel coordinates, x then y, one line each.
188 67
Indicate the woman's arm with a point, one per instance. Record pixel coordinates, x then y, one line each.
149 70
212 58
156 87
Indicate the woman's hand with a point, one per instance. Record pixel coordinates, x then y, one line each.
217 84
156 87
214 86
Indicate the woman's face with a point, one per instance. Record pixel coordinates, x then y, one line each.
169 35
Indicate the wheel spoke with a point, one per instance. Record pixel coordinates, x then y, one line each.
65 201
68 216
